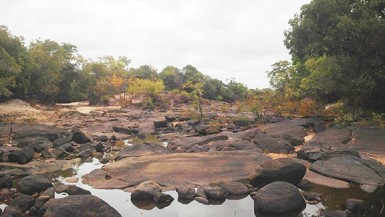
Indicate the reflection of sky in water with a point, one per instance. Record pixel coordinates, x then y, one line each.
121 201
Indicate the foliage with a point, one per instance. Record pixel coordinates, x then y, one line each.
338 52
172 78
145 88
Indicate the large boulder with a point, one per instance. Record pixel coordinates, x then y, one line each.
81 205
215 192
71 190
351 168
283 169
21 156
146 191
5 181
186 192
311 153
273 145
22 202
33 184
37 143
236 188
21 131
79 137
278 197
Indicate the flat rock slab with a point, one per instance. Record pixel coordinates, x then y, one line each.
171 170
333 137
369 139
293 128
318 179
352 169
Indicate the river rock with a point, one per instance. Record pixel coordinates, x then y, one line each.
162 198
215 192
33 184
273 145
5 181
137 150
356 205
293 128
236 188
278 197
126 130
81 205
311 153
22 202
186 192
146 191
21 131
202 200
160 124
283 169
99 147
79 137
21 156
85 154
37 143
67 147
351 168
71 190
331 137
11 211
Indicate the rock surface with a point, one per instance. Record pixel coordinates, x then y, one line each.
33 184
278 197
81 205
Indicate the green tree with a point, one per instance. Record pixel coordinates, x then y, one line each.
144 72
172 78
340 43
12 55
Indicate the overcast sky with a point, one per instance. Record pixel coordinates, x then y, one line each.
222 38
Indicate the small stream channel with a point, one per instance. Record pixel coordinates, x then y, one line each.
332 199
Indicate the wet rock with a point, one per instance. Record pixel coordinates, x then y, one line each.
215 192
5 181
81 205
236 188
202 200
79 137
160 198
351 168
160 124
146 190
22 202
356 205
272 145
283 169
185 192
71 190
33 184
278 197
21 156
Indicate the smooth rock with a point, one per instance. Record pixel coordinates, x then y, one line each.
356 205
146 190
186 192
215 192
33 184
236 188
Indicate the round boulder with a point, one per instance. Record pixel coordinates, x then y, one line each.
33 184
278 197
81 205
146 191
215 192
186 192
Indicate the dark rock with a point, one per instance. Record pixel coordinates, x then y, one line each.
206 130
46 154
85 154
33 184
67 147
334 137
37 143
160 124
336 213
21 131
170 117
294 128
272 145
79 137
11 211
21 156
60 153
243 122
236 188
61 141
22 202
81 205
304 184
136 150
312 154
295 141
356 205
162 198
352 169
87 146
278 197
145 190
185 192
5 181
318 128
215 192
99 147
202 200
102 138
71 190
200 192
283 169
126 130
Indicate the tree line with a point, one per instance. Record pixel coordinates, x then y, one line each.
338 55
50 72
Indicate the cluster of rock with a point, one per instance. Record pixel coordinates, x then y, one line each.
36 197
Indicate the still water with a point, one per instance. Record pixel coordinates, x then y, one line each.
332 199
